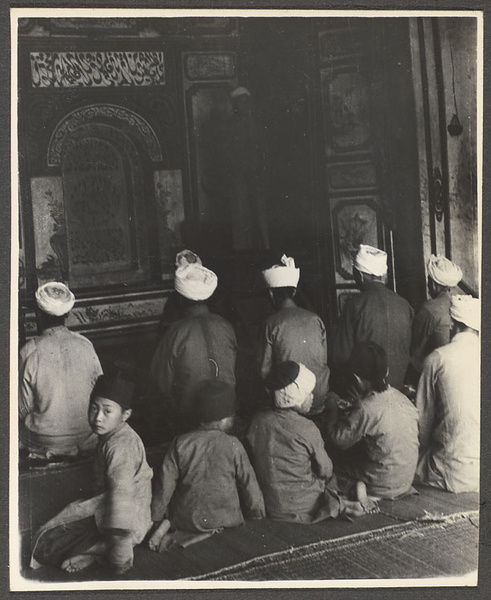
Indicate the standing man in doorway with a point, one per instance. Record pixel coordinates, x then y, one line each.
377 315
244 155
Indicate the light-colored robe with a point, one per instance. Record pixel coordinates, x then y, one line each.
57 372
448 400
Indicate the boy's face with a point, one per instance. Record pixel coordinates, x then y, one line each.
106 415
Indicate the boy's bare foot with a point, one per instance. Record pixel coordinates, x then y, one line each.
352 508
158 534
77 563
369 506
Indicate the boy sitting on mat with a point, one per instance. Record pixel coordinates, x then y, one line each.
293 469
108 525
380 430
206 482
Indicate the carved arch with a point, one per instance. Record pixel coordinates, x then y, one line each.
140 128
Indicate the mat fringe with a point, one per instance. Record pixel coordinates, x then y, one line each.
415 528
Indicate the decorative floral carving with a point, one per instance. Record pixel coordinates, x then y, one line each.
118 312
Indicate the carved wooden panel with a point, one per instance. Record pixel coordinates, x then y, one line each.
346 113
122 117
353 173
344 294
97 207
105 215
208 108
209 66
355 221
50 244
347 176
96 69
170 215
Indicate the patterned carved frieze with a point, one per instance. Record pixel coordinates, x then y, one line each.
207 66
98 112
113 312
95 315
96 69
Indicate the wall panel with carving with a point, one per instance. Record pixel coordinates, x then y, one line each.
102 152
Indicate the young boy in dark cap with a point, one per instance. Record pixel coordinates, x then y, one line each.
380 429
118 517
293 469
206 482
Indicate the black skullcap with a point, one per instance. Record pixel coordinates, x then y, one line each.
114 388
368 360
214 400
282 375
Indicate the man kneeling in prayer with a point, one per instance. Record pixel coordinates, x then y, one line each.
108 525
207 482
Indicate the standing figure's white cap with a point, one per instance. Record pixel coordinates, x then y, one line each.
283 275
195 282
240 91
444 271
187 257
54 298
371 260
466 310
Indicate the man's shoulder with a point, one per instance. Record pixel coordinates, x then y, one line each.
81 339
199 439
293 315
28 348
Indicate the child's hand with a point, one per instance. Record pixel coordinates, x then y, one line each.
158 534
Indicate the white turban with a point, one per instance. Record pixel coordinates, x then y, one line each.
296 392
240 91
371 260
187 257
195 282
444 271
54 298
284 275
466 310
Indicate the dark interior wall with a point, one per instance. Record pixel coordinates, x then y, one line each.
278 59
393 113
43 108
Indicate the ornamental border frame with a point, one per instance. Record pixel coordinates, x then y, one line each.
93 112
